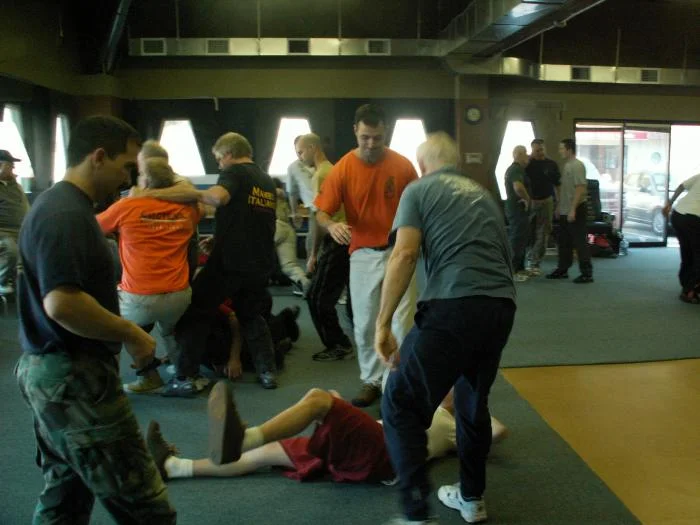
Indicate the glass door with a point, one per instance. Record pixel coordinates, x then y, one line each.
599 147
646 158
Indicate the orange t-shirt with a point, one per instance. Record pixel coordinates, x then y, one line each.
153 239
370 194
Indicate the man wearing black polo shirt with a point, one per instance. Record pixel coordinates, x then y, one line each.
544 177
239 266
88 439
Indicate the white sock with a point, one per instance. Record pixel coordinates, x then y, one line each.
178 467
253 438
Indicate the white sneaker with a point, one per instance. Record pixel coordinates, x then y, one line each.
472 511
521 277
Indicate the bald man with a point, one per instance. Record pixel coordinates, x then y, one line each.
517 208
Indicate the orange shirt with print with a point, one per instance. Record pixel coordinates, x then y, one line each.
370 194
153 240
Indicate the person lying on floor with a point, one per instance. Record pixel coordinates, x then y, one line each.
347 444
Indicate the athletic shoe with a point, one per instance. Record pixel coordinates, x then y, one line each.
521 277
160 449
581 279
6 289
187 387
226 430
367 395
558 274
267 380
689 297
148 383
534 272
337 353
473 511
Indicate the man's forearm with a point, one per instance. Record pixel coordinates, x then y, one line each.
79 313
323 219
398 276
176 193
680 189
316 234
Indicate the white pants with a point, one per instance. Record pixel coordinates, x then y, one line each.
367 269
286 246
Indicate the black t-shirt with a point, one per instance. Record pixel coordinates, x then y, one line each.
544 175
244 239
62 244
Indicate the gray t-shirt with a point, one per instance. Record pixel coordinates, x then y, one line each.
465 246
574 174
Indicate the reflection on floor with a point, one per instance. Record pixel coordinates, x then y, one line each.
637 426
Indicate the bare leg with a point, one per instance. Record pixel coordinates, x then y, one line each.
269 455
312 407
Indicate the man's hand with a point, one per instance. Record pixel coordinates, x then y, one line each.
135 191
525 203
297 221
311 263
571 217
233 369
386 347
667 209
340 232
141 347
206 244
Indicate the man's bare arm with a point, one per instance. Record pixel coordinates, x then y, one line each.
80 314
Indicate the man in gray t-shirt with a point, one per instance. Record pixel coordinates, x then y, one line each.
571 213
465 315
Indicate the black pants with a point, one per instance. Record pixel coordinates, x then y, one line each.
687 228
332 275
250 299
573 235
455 342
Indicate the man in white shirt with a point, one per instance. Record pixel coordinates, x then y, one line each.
299 177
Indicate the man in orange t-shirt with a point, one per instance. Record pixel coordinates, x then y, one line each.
368 182
153 240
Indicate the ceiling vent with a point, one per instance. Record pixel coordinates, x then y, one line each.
377 46
153 47
650 76
580 73
218 46
298 46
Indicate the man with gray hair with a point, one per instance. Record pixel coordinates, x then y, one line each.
517 207
239 267
465 315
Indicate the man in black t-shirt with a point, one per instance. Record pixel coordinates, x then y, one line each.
88 439
239 266
544 176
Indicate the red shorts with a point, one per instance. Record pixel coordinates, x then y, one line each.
348 445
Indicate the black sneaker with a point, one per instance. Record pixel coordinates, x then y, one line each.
226 430
558 274
583 279
187 387
267 380
160 449
337 353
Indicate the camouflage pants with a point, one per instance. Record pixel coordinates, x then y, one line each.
88 442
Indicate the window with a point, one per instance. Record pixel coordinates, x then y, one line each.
408 135
284 153
178 139
684 159
59 147
11 139
518 133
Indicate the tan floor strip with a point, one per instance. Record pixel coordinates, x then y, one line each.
637 426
